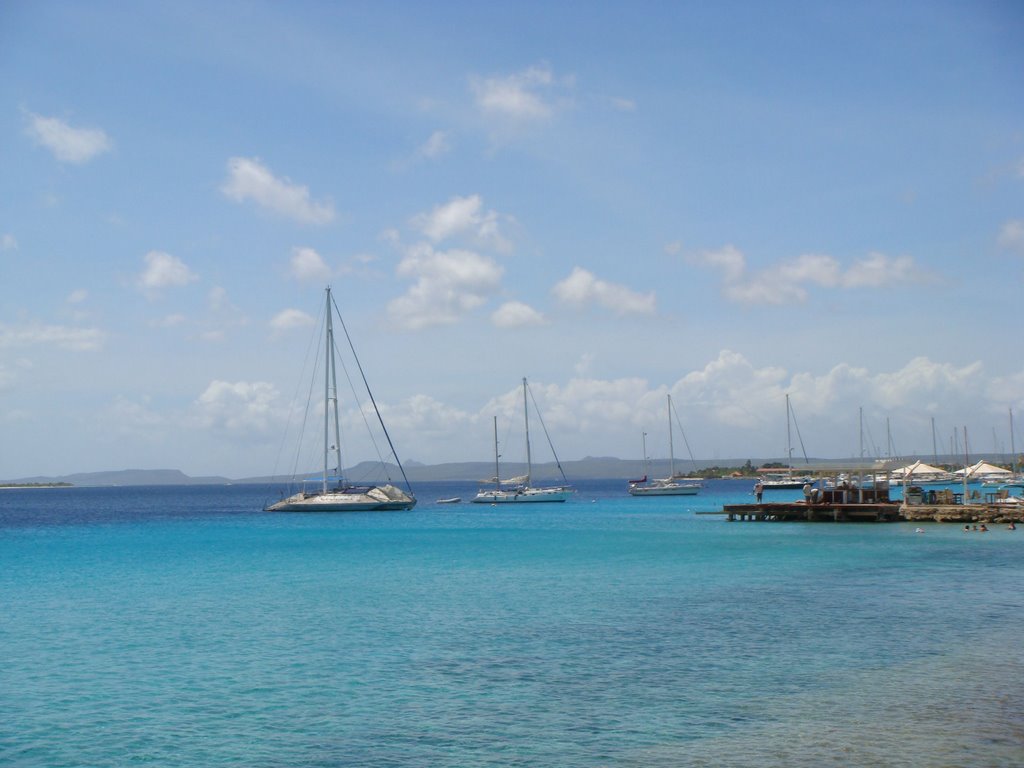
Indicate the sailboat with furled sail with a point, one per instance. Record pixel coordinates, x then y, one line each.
673 485
334 493
518 490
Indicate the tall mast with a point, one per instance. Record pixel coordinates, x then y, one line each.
671 447
1013 448
497 472
935 448
860 422
967 460
331 398
789 439
526 417
328 341
643 440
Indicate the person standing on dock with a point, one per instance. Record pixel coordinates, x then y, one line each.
807 494
758 490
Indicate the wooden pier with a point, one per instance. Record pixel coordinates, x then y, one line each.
875 512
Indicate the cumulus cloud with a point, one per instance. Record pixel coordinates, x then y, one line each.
62 336
67 144
729 407
582 287
462 216
306 264
789 280
448 284
164 271
290 319
527 96
249 179
1011 236
515 314
732 393
424 416
438 144
238 408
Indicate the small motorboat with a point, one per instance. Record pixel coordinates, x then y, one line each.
452 500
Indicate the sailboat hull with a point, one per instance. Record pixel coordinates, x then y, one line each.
667 489
384 498
523 496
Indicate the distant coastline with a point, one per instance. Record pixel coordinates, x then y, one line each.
36 485
588 468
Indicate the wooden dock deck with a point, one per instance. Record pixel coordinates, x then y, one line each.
876 512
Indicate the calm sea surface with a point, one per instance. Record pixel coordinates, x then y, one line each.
185 627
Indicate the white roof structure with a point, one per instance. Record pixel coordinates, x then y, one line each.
919 469
983 469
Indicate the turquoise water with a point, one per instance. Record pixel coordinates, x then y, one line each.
182 626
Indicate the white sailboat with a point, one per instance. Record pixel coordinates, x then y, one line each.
673 485
782 478
341 496
517 490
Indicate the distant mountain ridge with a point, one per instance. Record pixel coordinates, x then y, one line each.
589 468
128 477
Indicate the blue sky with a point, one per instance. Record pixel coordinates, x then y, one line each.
726 202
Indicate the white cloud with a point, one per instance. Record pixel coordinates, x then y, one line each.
65 337
438 144
788 281
515 314
8 243
290 319
729 259
448 285
77 296
307 264
424 416
163 271
248 179
521 97
170 321
876 270
462 216
1011 236
582 287
239 408
67 144
730 402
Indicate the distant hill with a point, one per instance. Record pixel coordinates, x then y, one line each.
589 468
128 477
